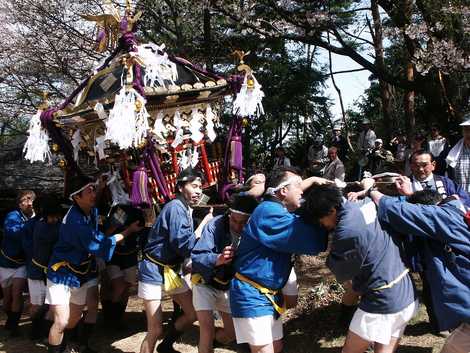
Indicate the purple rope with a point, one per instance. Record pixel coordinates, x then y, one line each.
156 162
137 83
236 82
127 42
139 194
58 137
160 184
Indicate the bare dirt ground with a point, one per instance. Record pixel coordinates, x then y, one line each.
312 327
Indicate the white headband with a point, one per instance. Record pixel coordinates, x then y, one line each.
79 190
186 178
239 212
291 180
251 178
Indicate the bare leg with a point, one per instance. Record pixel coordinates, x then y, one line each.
119 286
61 314
185 300
153 312
206 330
354 344
92 305
75 314
7 298
274 347
17 294
268 348
227 335
389 348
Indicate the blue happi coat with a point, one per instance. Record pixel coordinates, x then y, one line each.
169 242
44 238
12 254
79 239
445 253
214 238
362 251
27 241
268 241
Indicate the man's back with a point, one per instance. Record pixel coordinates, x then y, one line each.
364 252
446 253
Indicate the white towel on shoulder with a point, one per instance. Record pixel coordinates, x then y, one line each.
454 154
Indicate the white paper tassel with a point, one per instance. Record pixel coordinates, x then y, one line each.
158 68
178 124
159 128
118 194
194 157
195 125
100 111
36 147
184 162
76 139
125 126
210 118
249 100
141 123
100 144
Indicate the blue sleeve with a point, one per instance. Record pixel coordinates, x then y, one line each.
418 220
288 233
86 238
204 254
455 189
180 229
13 226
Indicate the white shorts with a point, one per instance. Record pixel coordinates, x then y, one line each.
291 288
129 274
8 274
208 298
60 294
381 328
37 291
150 291
257 331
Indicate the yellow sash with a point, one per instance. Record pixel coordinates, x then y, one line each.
196 278
58 265
269 293
171 280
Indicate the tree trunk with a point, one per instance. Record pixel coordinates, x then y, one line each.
380 62
409 97
207 37
409 103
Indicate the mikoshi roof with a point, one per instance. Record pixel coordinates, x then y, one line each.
192 86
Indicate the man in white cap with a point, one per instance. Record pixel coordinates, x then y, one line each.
458 158
340 142
379 157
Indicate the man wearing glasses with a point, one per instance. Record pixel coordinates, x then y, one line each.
423 178
12 259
